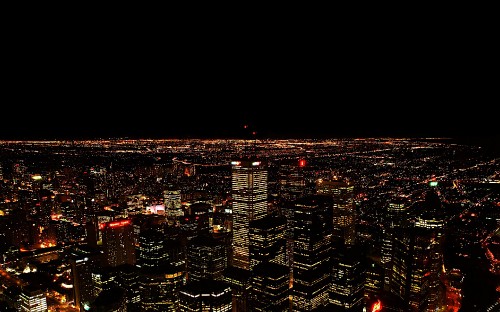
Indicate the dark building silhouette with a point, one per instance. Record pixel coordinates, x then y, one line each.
241 284
205 295
127 277
111 300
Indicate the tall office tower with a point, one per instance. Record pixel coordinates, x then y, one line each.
241 284
267 240
32 300
206 258
205 295
152 251
396 217
347 288
176 253
127 277
344 212
417 260
110 300
291 183
159 288
162 268
118 243
84 261
311 252
172 202
249 191
374 280
270 287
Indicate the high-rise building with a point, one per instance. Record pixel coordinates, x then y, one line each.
347 287
159 288
418 258
84 261
173 206
270 287
206 258
249 192
374 280
241 284
267 240
291 180
33 300
152 251
205 295
344 212
118 242
311 252
127 277
396 218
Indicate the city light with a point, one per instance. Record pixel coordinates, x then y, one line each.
119 223
377 306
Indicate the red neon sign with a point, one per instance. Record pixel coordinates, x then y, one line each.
119 223
377 306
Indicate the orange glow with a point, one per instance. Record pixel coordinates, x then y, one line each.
55 217
119 223
377 306
302 163
102 226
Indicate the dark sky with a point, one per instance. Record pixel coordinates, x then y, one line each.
116 82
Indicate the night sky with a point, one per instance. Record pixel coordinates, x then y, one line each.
112 83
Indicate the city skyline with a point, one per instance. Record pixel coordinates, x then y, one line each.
381 224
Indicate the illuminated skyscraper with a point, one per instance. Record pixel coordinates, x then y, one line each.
270 287
395 219
291 183
152 251
172 202
270 274
118 243
33 300
83 262
311 252
418 258
267 240
206 258
249 191
344 213
347 287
